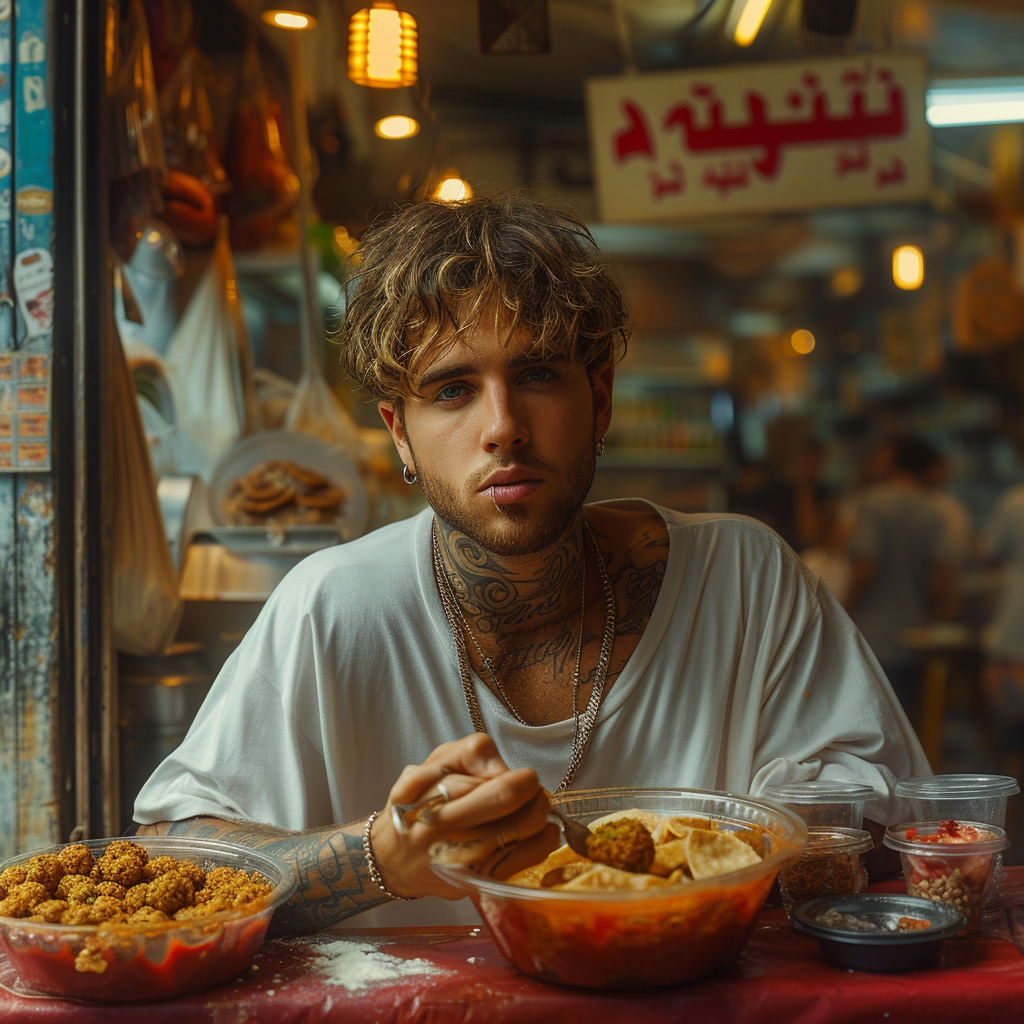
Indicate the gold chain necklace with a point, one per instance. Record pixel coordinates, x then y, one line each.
582 724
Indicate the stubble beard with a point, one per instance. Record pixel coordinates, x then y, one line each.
514 532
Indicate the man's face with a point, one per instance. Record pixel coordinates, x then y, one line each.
503 444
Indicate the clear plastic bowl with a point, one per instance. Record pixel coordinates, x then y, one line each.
634 939
155 962
953 873
830 865
821 802
957 797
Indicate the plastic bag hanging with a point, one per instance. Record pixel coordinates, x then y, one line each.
265 188
146 608
210 368
189 134
136 127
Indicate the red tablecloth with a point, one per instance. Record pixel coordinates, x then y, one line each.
779 976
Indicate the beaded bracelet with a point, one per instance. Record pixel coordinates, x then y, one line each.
371 862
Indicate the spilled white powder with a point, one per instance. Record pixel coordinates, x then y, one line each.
357 965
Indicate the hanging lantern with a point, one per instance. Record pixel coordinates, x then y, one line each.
382 47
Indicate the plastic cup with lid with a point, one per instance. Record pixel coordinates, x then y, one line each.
821 802
958 797
950 863
830 865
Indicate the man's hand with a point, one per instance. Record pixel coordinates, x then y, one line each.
491 806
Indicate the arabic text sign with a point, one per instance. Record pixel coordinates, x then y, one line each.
822 132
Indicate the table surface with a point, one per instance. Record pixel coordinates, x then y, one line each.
779 976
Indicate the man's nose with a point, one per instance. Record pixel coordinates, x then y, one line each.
503 424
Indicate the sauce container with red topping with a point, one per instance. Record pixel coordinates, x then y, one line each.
948 862
830 865
957 797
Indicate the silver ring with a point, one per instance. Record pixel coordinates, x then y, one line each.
409 478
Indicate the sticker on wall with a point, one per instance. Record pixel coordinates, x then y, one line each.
25 388
33 284
31 49
5 10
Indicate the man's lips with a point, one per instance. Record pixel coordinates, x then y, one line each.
506 494
509 485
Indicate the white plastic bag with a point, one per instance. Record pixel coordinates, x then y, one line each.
316 410
209 363
146 605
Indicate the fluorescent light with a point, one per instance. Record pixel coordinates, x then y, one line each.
750 19
975 101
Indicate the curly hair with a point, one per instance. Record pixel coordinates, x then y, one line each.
430 272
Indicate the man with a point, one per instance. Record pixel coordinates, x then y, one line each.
598 645
902 574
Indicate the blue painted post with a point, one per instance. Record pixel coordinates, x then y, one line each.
29 788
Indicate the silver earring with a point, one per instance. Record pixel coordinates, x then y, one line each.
409 478
600 447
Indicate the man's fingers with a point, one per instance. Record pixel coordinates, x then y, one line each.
418 782
491 801
472 755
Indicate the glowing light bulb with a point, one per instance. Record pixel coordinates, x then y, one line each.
802 342
750 21
908 267
285 18
453 190
397 126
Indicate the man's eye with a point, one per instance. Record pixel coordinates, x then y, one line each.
539 374
450 393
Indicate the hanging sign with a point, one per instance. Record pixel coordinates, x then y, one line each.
756 137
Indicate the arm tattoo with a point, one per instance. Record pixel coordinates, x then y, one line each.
333 879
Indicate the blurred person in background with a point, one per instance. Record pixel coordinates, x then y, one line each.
829 558
1003 543
902 565
955 512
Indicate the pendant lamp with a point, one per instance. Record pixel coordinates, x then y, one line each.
382 51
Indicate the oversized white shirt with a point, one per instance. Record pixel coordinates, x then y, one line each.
748 672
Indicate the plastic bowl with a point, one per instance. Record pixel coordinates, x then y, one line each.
820 802
830 865
878 951
958 797
953 873
635 939
153 963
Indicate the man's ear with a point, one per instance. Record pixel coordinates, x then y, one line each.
389 413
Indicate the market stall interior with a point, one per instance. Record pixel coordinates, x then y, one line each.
817 213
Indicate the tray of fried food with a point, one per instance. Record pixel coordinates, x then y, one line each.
284 493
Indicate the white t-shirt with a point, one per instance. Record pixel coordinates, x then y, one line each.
748 672
1004 540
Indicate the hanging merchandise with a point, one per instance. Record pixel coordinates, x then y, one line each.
152 277
988 310
170 30
145 603
210 370
189 208
265 188
189 134
137 131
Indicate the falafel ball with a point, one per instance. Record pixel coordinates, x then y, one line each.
76 859
625 844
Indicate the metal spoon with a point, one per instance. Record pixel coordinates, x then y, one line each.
575 833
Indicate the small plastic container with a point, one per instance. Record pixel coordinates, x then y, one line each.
823 803
829 866
957 873
957 797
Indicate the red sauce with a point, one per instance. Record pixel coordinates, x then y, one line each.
184 967
950 832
